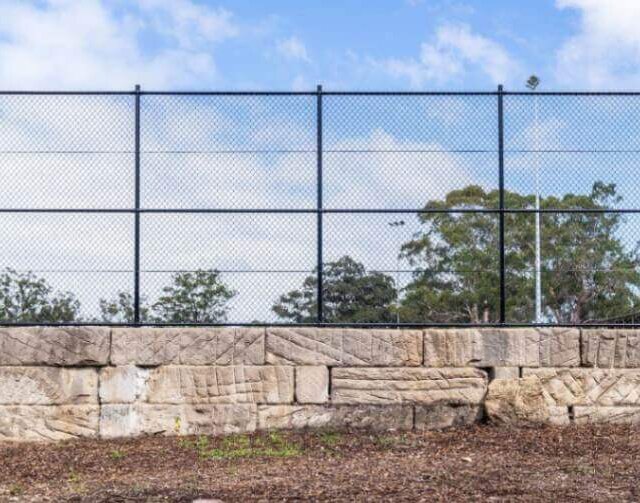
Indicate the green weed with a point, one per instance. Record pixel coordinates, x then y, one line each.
242 446
117 454
330 438
16 490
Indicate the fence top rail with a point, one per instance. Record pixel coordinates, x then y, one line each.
134 92
391 325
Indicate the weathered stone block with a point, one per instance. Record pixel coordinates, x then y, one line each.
48 422
48 386
129 420
489 347
415 385
505 372
125 384
609 348
583 386
235 384
55 346
521 401
621 415
452 347
335 347
312 384
440 416
188 346
375 417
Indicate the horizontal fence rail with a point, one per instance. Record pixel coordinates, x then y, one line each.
320 208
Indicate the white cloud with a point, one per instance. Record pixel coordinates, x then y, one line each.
380 171
454 51
66 44
293 48
605 52
209 176
188 23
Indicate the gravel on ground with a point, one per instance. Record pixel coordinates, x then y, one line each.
576 463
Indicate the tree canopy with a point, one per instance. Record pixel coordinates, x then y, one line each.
193 297
351 295
587 271
121 309
590 271
26 298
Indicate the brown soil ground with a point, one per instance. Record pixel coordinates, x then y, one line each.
591 463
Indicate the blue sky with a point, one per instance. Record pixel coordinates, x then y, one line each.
389 152
347 44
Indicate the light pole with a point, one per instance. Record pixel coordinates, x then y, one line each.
532 84
395 225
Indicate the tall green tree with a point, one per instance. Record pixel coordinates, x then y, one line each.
195 297
351 295
121 309
587 271
24 297
192 297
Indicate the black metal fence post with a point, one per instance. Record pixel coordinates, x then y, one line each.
503 300
136 263
319 265
241 153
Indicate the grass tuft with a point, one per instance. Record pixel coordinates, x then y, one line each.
273 445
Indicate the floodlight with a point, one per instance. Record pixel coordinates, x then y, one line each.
533 82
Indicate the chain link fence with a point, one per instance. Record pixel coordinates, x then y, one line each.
343 208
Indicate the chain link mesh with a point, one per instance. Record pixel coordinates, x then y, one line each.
233 223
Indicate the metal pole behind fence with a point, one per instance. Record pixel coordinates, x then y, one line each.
136 264
320 293
501 190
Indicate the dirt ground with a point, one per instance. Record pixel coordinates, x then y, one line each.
590 463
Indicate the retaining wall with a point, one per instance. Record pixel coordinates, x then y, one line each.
61 383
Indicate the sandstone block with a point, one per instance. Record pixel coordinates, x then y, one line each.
125 384
375 417
609 348
621 415
505 372
234 384
589 386
521 401
48 422
415 385
343 347
312 384
55 346
188 346
489 347
130 420
48 386
440 416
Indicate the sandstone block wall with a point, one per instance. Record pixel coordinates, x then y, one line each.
61 383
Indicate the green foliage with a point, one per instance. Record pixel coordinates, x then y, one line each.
117 455
330 438
587 273
121 309
389 441
16 490
194 297
243 446
351 295
26 298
